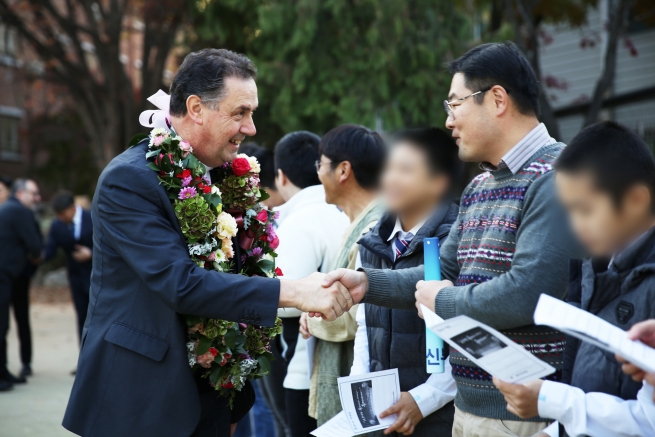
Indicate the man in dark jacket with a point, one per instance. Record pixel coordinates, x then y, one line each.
21 242
73 232
417 183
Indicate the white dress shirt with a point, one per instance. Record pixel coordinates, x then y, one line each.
77 223
440 388
597 414
310 233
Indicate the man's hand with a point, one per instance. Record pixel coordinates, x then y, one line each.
81 253
356 283
304 326
408 415
309 295
644 332
426 293
522 399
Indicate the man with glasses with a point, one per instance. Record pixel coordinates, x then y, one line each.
510 242
21 242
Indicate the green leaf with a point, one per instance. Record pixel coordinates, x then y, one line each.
265 364
152 153
266 265
136 139
203 346
153 166
215 374
231 338
263 195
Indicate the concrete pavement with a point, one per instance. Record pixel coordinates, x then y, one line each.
36 409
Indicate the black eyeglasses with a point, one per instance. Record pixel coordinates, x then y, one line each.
318 164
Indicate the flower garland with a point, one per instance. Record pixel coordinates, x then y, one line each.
211 214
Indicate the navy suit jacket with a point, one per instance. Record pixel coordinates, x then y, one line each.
20 238
133 376
61 236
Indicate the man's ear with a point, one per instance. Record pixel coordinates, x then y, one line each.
194 109
500 99
344 171
638 197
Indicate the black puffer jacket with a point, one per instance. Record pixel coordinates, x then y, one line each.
396 337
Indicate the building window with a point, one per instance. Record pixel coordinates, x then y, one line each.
7 40
9 145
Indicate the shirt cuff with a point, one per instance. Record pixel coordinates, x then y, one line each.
425 399
552 430
551 403
445 305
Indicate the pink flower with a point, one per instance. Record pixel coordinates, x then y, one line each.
186 148
262 216
275 242
257 251
187 193
276 216
211 257
187 181
158 140
205 360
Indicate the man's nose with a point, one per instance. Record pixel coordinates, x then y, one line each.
450 122
248 127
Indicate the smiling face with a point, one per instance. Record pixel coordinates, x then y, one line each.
472 123
223 129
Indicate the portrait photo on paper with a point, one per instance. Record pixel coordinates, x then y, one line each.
478 342
363 399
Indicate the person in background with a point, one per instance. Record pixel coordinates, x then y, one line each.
21 242
266 160
351 162
309 231
72 231
606 181
417 183
5 189
510 242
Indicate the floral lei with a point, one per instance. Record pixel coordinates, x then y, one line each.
210 215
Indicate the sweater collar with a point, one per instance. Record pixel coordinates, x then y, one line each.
518 155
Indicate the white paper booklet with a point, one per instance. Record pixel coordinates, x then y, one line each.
363 398
492 351
588 327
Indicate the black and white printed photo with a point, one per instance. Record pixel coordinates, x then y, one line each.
478 342
363 400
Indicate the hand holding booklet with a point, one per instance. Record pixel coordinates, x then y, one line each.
492 351
588 327
363 398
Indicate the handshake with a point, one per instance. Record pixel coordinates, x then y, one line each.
327 296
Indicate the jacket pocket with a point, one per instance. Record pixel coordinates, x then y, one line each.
137 341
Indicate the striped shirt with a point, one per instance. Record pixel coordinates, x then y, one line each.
527 147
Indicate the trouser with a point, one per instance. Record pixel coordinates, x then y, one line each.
297 403
216 417
5 301
20 301
272 389
470 425
80 285
259 420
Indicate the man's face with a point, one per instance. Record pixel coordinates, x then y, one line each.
67 215
601 226
471 123
223 129
30 196
330 180
407 183
4 193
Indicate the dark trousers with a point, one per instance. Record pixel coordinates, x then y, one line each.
20 301
80 285
5 301
297 403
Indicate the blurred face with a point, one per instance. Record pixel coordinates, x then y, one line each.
330 180
4 193
471 123
67 215
30 196
222 130
407 183
601 226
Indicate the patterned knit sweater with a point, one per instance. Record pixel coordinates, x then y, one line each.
509 245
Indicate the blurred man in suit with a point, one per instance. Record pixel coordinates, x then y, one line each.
21 241
5 189
73 232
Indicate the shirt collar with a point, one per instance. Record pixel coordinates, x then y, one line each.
522 151
398 229
77 218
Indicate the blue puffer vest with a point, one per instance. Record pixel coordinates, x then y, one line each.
396 337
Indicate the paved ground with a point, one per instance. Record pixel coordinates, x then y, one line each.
36 409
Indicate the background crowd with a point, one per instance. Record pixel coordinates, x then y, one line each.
361 198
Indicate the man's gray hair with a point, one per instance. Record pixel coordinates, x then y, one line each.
19 185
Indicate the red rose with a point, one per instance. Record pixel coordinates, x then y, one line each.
227 385
275 243
263 237
213 351
206 189
240 167
201 186
185 174
262 216
278 271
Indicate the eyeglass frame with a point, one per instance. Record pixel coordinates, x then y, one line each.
318 163
449 109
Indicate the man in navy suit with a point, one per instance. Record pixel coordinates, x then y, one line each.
73 232
133 376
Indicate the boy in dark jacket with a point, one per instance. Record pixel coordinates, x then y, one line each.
606 181
417 184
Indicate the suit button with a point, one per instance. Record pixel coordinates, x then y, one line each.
257 319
